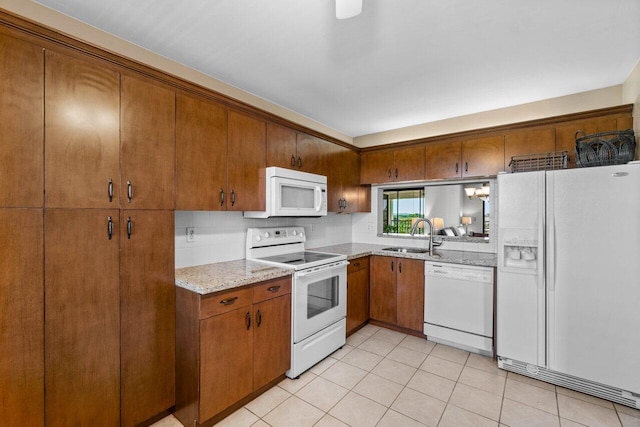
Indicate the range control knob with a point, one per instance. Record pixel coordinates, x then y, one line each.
294 232
267 235
301 234
258 238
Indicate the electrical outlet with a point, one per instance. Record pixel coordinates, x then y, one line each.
191 234
371 227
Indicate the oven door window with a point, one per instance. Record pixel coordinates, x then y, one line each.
322 296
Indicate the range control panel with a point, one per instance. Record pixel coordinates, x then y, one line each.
269 236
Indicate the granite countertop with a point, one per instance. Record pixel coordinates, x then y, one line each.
208 278
356 250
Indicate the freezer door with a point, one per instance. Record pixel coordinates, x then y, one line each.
593 279
520 284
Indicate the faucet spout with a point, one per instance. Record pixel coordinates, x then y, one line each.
415 227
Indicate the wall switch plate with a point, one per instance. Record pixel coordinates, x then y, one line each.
191 234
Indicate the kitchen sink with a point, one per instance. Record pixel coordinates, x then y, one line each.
407 250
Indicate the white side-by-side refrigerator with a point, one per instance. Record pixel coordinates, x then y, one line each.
568 285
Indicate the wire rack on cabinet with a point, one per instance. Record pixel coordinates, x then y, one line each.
539 162
605 148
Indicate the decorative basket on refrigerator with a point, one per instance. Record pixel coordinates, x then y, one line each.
605 148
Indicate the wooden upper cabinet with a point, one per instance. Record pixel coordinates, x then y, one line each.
246 161
565 134
148 148
22 317
483 156
201 152
147 314
530 141
22 118
408 164
404 164
281 147
82 133
82 317
311 151
443 160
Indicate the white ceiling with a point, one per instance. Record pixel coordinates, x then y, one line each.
399 63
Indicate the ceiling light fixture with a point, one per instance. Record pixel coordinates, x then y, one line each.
348 8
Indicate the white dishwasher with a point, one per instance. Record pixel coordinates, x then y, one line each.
458 306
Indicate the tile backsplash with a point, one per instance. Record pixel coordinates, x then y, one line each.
221 236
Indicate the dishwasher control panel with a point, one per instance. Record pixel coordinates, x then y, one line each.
449 271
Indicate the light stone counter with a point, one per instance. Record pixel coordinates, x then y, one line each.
356 250
208 278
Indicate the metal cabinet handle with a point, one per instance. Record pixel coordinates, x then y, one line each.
466 167
456 167
293 161
345 203
129 191
110 227
228 301
274 289
233 197
129 227
356 264
299 162
400 267
388 173
396 172
391 265
259 318
110 190
221 196
247 320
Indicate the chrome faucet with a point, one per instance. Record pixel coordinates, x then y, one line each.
415 227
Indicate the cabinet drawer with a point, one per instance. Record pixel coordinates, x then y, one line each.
358 264
272 289
223 302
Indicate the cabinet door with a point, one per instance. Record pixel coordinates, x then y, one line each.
529 141
226 360
272 340
148 148
22 317
376 167
82 318
311 151
22 118
410 293
147 313
357 293
281 147
201 152
565 134
246 161
82 133
383 288
483 156
409 164
443 160
337 176
350 176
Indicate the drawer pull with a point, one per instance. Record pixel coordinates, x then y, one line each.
274 289
356 264
228 301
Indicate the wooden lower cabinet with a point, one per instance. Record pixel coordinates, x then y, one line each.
397 292
230 345
147 314
357 293
82 318
21 318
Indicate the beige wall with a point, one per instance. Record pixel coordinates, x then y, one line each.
584 101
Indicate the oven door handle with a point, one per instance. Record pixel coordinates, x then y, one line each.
321 269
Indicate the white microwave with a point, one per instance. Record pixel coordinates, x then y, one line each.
293 193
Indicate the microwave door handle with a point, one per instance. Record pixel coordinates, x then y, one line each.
318 198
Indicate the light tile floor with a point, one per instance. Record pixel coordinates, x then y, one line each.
385 378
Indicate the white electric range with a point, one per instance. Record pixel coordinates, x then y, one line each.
318 292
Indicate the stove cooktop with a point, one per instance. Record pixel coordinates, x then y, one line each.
299 258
